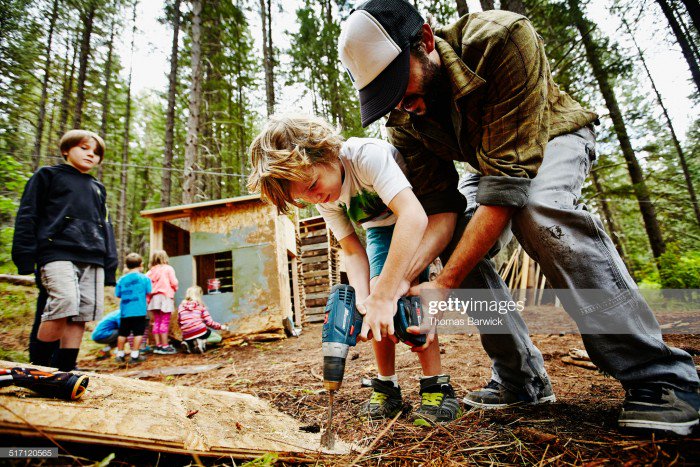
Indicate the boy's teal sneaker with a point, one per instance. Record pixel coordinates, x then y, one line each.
385 401
438 402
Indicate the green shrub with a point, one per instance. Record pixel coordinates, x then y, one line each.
679 269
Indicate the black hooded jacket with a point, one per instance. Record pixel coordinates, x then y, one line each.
63 217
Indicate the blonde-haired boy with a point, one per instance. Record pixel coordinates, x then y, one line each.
297 159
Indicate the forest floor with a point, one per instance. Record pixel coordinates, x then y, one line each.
580 428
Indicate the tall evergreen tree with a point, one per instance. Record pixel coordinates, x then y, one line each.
170 112
122 221
586 28
674 137
268 54
683 41
192 142
87 18
36 156
107 88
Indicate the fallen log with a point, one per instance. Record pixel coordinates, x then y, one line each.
580 363
17 280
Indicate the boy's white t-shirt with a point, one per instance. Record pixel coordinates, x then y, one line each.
374 174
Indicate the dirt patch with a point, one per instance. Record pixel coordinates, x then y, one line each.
579 428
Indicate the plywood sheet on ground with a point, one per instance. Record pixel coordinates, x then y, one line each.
148 415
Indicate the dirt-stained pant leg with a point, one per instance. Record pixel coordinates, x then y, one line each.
515 361
575 253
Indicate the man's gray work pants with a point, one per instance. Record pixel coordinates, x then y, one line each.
575 253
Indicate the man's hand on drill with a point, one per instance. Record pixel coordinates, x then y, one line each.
429 326
378 321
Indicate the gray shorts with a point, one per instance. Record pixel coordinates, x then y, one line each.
76 291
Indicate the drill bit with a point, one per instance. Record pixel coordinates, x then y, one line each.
328 438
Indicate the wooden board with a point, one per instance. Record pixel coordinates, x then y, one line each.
316 310
315 318
153 416
312 303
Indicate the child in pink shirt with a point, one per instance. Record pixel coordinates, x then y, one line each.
161 301
194 320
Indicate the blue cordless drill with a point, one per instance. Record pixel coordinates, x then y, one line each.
343 324
341 327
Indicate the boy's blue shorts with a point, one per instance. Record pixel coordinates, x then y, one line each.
378 242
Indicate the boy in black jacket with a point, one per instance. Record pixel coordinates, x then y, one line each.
64 231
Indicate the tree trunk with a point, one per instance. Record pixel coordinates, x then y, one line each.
641 191
105 93
87 20
516 6
242 147
67 88
682 41
189 185
487 5
686 32
170 116
122 208
49 134
336 107
610 221
693 8
36 156
669 124
462 8
268 54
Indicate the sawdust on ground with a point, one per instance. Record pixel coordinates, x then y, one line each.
579 428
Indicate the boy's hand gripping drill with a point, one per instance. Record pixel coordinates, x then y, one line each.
68 386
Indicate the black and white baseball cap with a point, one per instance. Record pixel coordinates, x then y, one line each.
374 47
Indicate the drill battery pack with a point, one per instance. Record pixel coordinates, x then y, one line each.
409 313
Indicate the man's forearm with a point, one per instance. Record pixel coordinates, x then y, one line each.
480 235
436 237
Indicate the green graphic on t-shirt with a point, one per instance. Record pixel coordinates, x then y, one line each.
366 206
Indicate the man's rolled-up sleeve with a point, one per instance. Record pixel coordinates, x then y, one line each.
514 118
503 191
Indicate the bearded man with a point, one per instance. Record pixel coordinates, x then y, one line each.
481 91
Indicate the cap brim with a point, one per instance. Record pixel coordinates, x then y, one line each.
380 96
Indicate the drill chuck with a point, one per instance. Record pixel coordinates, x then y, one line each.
334 356
333 370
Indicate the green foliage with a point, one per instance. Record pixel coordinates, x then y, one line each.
233 104
17 305
315 64
679 269
266 460
12 180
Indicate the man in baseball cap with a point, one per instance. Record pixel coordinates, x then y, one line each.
480 91
375 49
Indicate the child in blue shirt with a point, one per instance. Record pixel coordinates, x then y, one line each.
132 288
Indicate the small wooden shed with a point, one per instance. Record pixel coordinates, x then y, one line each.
243 255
